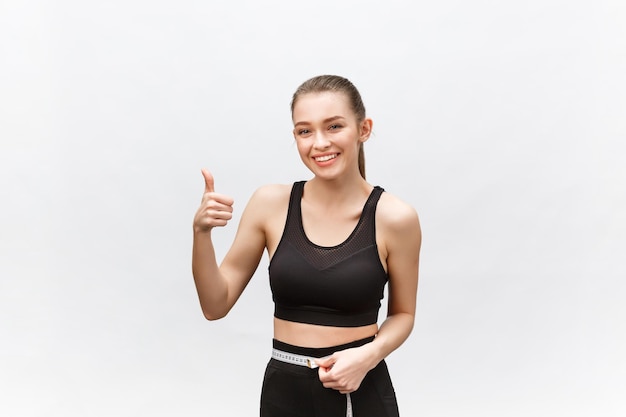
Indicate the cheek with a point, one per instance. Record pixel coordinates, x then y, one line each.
303 150
303 146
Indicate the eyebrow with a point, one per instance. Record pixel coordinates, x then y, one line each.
328 120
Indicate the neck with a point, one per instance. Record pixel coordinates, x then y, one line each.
337 191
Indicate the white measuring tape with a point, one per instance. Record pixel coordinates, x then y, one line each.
309 362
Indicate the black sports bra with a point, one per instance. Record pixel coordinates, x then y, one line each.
333 286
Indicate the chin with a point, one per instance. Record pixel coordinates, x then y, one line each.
328 176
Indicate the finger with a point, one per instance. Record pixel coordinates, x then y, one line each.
225 200
326 376
326 380
218 201
326 362
219 214
209 185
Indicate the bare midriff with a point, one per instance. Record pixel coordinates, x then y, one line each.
316 336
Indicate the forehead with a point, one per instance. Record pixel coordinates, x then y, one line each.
318 106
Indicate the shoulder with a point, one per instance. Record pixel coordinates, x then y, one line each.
271 192
396 214
398 225
267 208
269 197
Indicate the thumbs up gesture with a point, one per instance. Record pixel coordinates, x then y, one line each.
215 209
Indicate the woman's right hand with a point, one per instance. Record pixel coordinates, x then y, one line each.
215 209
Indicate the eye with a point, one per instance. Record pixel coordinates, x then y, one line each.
334 127
303 132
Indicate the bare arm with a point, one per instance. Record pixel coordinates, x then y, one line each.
403 245
220 286
401 237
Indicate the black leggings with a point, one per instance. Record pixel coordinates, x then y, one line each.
296 391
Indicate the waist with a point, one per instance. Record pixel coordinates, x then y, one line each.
314 335
318 352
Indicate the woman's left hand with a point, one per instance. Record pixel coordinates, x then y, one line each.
344 370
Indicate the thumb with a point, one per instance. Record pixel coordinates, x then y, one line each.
209 185
326 362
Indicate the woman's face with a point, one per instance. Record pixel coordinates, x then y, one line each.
327 134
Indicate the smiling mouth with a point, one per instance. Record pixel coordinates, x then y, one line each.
325 157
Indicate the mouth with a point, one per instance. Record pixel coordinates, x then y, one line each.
325 158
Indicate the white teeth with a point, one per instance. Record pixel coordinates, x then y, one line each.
326 158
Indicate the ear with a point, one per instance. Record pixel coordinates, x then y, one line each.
365 129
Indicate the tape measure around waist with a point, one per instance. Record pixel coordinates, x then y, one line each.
309 362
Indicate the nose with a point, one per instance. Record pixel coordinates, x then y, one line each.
321 141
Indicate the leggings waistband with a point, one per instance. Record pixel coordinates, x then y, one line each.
318 352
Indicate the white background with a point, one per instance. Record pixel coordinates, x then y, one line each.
503 123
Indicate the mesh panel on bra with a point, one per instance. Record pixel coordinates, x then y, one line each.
321 257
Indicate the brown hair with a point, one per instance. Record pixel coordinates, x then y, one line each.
335 83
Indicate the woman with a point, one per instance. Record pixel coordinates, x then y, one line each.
333 242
